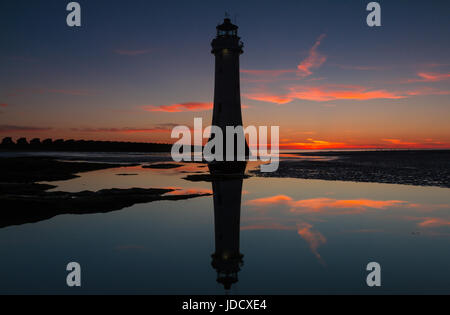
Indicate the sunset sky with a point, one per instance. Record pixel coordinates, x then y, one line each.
137 68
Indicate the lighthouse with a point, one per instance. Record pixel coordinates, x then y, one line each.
227 47
227 176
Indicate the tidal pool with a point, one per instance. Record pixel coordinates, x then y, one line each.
254 236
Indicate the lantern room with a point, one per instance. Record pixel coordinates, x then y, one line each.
226 28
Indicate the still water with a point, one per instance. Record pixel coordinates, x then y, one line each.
254 236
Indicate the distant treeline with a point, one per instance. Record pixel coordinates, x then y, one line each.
81 145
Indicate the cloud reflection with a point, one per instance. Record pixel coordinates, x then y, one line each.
313 238
328 205
304 211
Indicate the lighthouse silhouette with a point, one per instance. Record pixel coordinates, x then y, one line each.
227 47
227 175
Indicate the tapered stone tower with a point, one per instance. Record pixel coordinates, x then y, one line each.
227 47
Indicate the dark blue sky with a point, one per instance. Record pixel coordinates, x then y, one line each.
131 54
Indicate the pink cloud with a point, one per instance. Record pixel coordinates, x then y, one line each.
324 93
314 59
433 222
278 199
266 97
335 92
181 107
431 77
426 91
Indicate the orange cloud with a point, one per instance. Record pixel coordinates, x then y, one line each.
269 98
3 105
279 199
399 142
433 222
181 107
314 59
314 145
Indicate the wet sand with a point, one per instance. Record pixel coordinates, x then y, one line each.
415 167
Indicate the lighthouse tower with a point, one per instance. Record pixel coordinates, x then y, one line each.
227 47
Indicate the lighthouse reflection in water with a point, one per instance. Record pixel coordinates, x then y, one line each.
227 179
